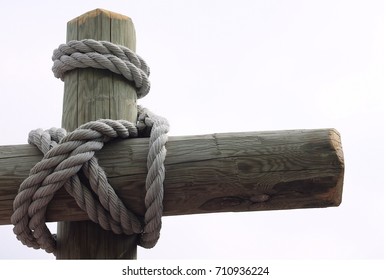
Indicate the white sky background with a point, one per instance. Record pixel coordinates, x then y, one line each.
230 66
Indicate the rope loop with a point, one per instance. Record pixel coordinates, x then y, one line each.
102 55
65 155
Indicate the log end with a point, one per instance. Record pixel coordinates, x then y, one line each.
98 13
335 142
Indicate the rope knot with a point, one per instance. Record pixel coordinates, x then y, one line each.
65 155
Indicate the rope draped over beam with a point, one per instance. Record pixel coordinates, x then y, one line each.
65 155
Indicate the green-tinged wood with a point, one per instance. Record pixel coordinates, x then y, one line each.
91 94
250 171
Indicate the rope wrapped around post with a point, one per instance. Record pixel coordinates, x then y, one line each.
65 155
102 55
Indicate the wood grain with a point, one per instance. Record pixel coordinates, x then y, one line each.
233 172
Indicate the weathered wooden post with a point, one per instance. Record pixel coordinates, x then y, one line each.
251 171
91 94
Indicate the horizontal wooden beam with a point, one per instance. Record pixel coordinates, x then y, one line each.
249 171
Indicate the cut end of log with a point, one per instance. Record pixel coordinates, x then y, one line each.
96 13
100 24
335 140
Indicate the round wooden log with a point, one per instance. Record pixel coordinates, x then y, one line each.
233 172
91 94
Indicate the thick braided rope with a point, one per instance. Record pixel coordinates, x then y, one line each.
59 167
102 55
156 174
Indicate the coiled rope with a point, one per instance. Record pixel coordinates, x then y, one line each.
65 155
102 55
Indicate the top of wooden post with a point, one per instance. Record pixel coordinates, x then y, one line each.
91 94
105 22
99 12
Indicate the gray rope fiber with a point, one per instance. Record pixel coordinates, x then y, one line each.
156 175
66 155
102 55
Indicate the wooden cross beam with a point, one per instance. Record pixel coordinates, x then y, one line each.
251 171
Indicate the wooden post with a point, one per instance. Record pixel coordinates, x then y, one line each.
91 94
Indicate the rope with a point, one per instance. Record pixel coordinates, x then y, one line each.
64 156
156 174
102 55
67 155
